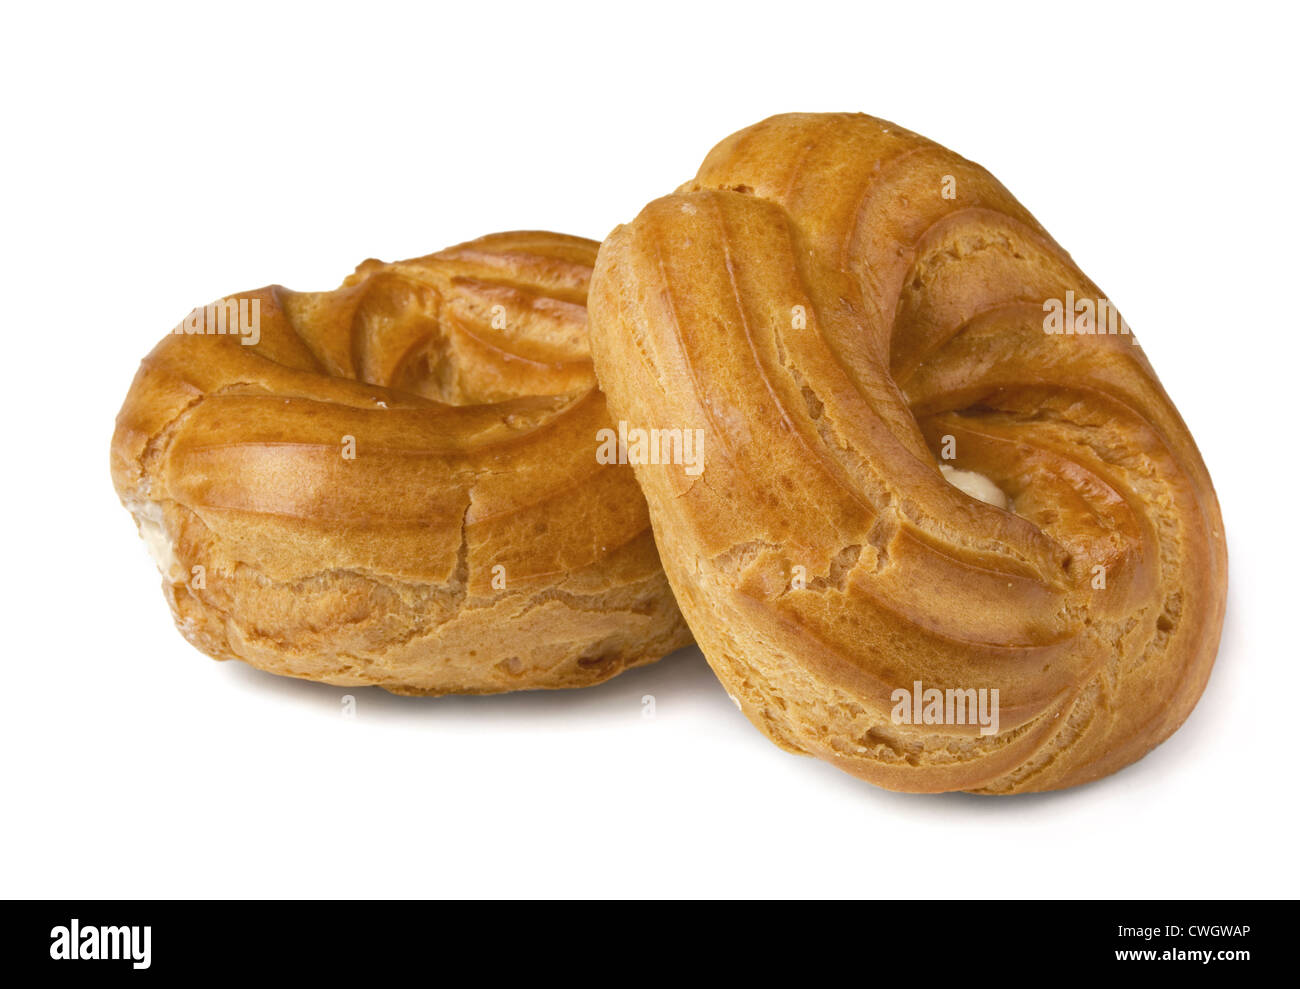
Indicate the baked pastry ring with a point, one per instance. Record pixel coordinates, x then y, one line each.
394 483
843 306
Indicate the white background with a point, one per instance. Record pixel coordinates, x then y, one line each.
156 158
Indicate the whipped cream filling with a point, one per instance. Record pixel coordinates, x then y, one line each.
149 519
976 485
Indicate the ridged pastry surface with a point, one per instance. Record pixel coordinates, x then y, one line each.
845 309
397 483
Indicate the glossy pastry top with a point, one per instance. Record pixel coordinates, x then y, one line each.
368 475
924 464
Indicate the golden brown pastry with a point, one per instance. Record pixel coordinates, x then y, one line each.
395 483
928 474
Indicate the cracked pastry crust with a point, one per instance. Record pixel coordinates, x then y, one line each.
470 544
837 302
